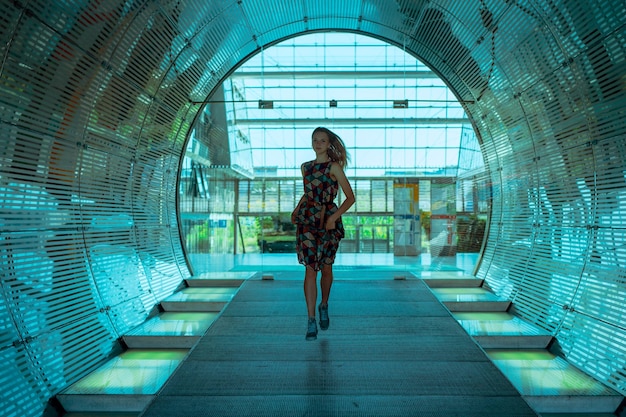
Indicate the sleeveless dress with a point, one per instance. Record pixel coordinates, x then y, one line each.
315 245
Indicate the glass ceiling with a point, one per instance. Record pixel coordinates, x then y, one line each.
397 118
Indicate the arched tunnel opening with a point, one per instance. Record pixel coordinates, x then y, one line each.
416 168
98 99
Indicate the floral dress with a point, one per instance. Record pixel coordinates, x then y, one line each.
315 245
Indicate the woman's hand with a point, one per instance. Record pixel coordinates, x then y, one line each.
294 213
330 223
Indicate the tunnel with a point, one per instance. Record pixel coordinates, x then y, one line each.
98 98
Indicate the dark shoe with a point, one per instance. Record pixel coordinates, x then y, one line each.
311 333
324 320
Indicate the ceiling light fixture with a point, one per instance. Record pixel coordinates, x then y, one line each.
401 104
266 104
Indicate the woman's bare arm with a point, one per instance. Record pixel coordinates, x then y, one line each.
337 172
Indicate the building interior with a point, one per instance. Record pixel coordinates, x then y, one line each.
150 152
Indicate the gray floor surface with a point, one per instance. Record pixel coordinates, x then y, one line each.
392 349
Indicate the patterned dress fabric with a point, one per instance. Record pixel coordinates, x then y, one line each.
315 245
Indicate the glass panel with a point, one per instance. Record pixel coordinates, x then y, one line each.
401 125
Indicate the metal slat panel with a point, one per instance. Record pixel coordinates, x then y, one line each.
84 341
336 15
536 54
7 320
113 114
577 186
271 20
229 31
603 353
73 104
20 394
599 298
95 108
84 24
435 37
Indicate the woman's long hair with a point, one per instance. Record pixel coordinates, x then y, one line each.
337 150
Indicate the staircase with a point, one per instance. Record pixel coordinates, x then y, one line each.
521 350
127 383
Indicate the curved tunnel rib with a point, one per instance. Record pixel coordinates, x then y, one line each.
97 100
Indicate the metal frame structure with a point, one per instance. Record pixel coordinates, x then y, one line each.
97 100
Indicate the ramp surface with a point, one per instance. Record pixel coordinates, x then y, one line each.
392 350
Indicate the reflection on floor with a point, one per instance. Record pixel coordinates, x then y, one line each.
500 323
138 371
549 383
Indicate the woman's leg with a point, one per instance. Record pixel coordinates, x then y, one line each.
326 282
310 290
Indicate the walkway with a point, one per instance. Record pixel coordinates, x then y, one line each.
392 350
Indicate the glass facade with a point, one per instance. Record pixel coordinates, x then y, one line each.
396 117
401 124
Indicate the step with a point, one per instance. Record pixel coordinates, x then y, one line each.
461 282
221 279
170 330
574 415
211 299
445 275
216 282
126 383
502 330
464 294
478 306
105 414
552 385
470 299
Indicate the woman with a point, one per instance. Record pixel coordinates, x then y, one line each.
318 220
